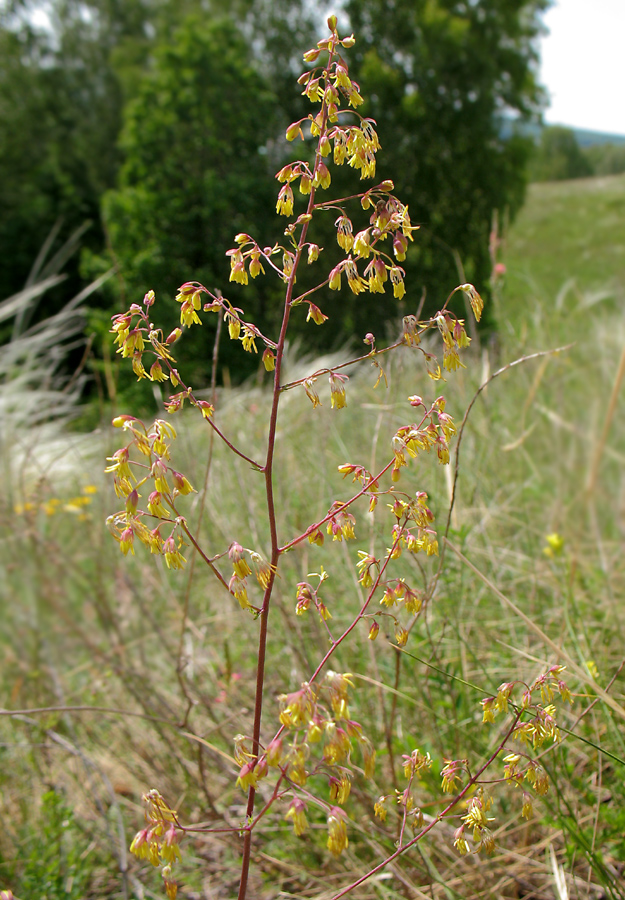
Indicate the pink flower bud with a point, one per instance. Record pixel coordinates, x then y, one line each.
173 337
120 421
293 130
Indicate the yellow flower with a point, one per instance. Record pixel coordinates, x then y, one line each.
238 588
335 278
451 774
155 506
315 314
355 282
337 831
181 483
397 280
555 545
337 391
379 809
488 713
460 842
322 177
269 360
297 814
284 206
173 557
362 247
344 235
477 304
125 541
340 788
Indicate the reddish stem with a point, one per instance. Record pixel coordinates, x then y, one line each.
271 514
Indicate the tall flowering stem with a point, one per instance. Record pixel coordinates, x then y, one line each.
315 735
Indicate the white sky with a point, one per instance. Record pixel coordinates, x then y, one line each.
583 64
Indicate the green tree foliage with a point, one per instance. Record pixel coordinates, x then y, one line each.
193 93
195 165
61 99
558 156
606 159
440 74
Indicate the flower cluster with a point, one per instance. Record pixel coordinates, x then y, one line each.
476 820
536 724
316 738
153 468
75 505
159 841
413 764
308 596
433 431
241 569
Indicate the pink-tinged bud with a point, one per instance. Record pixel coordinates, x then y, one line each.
374 631
293 130
121 421
206 408
181 483
347 43
368 339
386 185
334 282
132 501
126 539
415 400
269 360
173 337
400 246
315 314
311 55
149 298
332 23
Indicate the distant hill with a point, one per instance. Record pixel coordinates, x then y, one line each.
583 136
587 138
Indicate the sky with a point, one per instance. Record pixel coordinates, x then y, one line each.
583 64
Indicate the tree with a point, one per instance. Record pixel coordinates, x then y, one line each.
194 173
558 156
441 73
60 114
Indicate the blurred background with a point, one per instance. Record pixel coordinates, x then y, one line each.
137 137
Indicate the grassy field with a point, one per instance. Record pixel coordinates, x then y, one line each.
542 453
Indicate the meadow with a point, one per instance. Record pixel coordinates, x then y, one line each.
124 676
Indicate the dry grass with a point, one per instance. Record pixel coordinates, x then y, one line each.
86 627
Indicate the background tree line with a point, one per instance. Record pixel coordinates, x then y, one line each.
558 156
161 122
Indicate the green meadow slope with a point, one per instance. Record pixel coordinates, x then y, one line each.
570 236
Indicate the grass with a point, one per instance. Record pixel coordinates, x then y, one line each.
85 627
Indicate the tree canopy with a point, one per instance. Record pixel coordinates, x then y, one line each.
163 123
440 76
